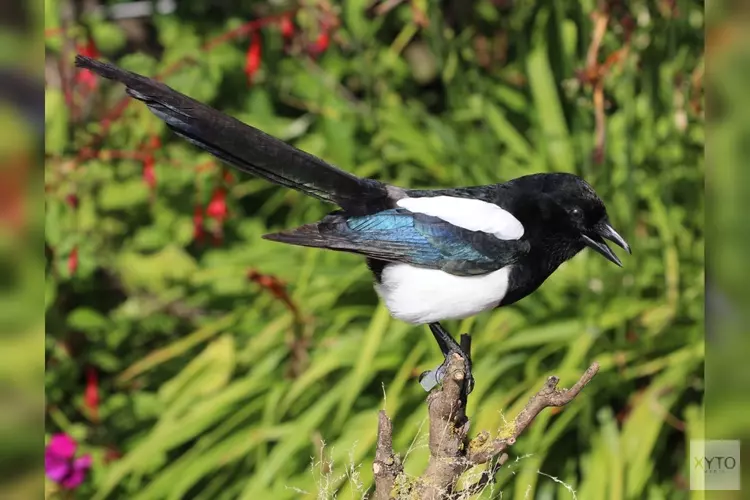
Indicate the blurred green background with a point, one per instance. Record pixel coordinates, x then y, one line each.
21 257
194 360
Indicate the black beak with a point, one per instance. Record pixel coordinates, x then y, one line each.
604 230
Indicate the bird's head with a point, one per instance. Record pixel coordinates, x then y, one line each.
580 213
586 213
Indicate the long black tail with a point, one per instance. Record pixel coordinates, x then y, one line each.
245 147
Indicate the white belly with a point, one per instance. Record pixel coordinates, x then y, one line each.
416 295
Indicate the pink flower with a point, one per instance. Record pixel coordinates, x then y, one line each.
60 463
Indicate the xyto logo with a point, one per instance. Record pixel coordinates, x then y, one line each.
715 465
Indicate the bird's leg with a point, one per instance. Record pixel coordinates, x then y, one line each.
448 346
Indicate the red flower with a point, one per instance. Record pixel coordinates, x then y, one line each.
198 232
149 174
217 207
86 77
91 396
73 261
72 200
217 210
287 27
153 142
320 45
253 57
89 49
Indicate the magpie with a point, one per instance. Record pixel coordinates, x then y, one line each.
436 254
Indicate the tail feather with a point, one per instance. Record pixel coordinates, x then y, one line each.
307 236
245 147
310 235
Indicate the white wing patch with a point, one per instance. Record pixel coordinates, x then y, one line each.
468 213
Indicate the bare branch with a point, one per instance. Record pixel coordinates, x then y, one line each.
451 452
448 434
387 466
482 452
549 395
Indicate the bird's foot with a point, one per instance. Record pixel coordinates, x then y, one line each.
431 378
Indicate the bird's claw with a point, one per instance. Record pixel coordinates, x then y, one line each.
432 378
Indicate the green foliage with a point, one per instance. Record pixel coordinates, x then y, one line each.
210 387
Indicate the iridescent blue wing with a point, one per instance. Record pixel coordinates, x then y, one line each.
397 235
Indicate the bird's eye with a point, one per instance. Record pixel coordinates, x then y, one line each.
576 213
